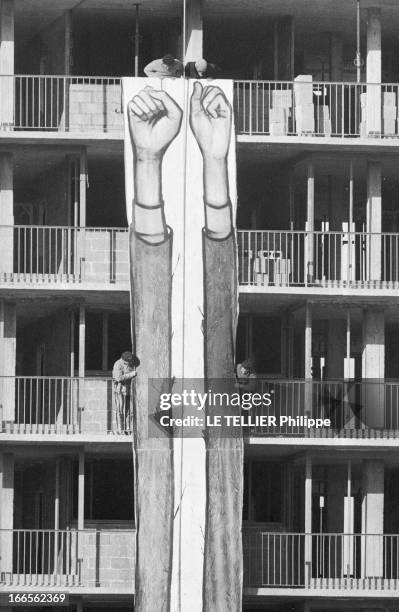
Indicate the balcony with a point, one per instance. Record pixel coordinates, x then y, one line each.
324 260
61 104
42 256
323 562
83 104
309 108
368 409
58 406
67 559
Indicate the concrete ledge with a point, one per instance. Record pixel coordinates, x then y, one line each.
322 593
347 443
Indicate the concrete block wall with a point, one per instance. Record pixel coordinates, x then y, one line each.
95 107
106 256
107 558
96 399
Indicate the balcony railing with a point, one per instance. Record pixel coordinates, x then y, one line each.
363 562
62 405
367 409
93 104
61 103
361 260
308 108
66 558
54 254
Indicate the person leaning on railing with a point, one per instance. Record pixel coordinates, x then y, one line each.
123 373
246 376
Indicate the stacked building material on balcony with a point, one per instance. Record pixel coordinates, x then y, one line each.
304 108
280 112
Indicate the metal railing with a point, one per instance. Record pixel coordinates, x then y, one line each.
367 409
93 103
61 103
62 405
64 254
322 259
320 561
64 558
314 108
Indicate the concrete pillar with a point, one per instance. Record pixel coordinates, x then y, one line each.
336 76
309 271
336 345
373 71
374 221
6 511
82 341
82 187
308 517
373 365
6 212
68 43
372 518
308 342
6 64
7 362
194 31
308 361
81 491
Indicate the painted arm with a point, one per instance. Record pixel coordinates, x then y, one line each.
154 122
210 121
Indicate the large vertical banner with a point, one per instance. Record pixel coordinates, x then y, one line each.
181 196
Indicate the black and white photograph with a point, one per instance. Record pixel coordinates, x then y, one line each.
199 305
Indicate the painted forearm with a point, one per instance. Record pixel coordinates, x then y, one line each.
218 213
149 214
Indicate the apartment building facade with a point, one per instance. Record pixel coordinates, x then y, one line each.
318 262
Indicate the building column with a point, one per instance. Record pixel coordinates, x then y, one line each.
7 362
374 221
336 344
82 187
81 491
309 271
308 518
6 64
194 31
6 211
68 42
6 511
336 76
308 341
308 361
82 341
372 518
373 366
373 71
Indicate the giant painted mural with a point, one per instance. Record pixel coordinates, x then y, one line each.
181 196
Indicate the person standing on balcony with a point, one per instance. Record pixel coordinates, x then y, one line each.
123 373
167 66
201 69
